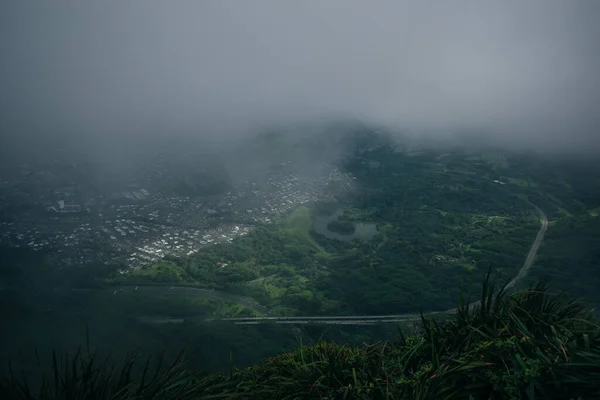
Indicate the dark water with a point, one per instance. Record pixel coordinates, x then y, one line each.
363 230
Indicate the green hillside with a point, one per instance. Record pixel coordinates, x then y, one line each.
299 223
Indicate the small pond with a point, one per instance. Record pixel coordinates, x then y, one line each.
363 230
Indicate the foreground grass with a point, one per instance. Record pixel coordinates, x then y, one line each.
526 344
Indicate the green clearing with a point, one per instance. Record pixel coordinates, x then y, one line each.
299 223
273 288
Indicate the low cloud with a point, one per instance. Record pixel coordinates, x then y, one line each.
96 72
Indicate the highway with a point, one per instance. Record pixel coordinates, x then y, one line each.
268 316
304 321
533 250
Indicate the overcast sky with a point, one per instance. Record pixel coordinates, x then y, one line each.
528 70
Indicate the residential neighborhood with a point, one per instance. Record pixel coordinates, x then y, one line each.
139 225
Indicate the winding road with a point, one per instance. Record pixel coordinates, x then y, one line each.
270 317
534 248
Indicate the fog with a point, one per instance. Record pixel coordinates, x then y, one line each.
80 75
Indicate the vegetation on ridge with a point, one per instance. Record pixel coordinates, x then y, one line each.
523 344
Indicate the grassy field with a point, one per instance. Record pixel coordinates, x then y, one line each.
299 223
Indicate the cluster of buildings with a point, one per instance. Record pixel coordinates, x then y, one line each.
182 243
141 227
